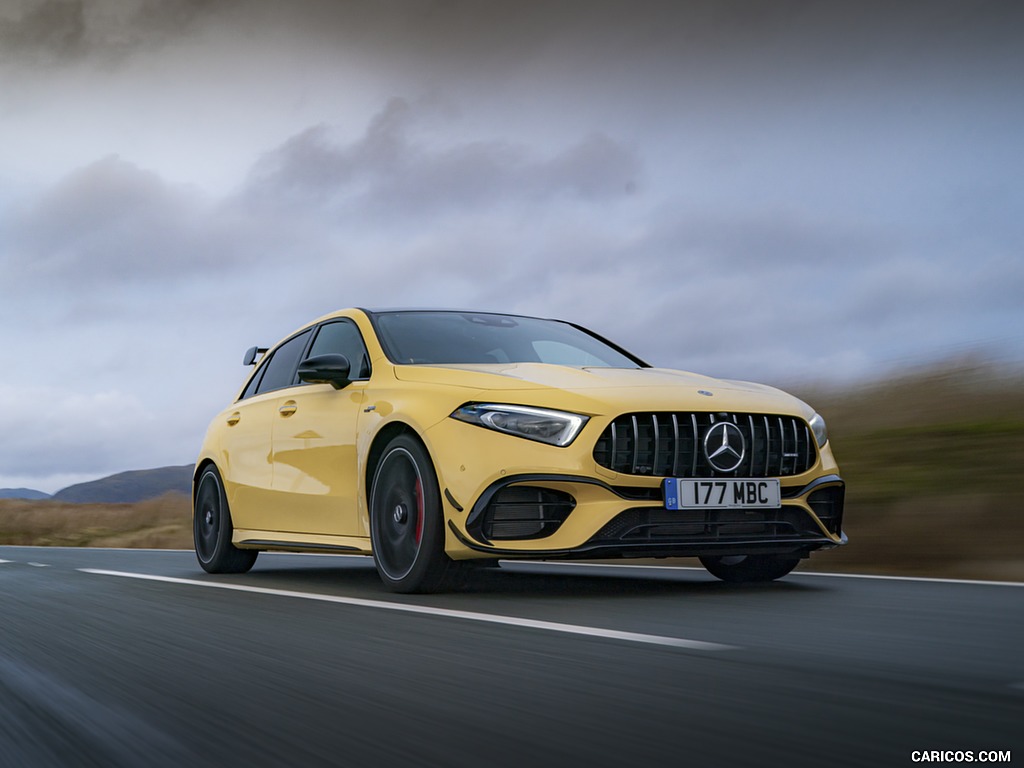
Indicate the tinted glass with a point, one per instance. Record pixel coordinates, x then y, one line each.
456 337
343 338
250 388
282 366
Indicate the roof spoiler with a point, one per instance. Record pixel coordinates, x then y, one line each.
251 354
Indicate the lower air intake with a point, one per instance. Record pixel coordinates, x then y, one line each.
525 512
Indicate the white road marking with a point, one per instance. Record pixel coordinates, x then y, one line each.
40 565
551 626
6 561
574 564
928 579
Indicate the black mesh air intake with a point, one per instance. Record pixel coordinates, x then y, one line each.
525 512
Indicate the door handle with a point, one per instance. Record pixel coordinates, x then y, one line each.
234 418
288 408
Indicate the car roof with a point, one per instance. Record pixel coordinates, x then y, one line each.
454 310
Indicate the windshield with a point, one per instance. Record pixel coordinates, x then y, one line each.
464 337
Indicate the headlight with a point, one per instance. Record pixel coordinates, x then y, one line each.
553 427
817 425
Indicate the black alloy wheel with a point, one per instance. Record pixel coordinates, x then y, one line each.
212 528
406 520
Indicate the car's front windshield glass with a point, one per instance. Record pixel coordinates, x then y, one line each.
463 337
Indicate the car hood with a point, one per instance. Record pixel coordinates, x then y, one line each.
622 389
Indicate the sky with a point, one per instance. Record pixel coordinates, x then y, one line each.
774 191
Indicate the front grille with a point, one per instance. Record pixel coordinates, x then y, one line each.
672 445
525 512
654 525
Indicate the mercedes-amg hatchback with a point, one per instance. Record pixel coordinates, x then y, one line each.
436 440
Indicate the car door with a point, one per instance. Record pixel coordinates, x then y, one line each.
314 441
249 457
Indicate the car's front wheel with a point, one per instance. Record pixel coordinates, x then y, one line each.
212 528
749 568
406 521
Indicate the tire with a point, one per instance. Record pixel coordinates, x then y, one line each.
406 519
741 569
212 528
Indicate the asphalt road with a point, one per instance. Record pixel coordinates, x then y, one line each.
138 658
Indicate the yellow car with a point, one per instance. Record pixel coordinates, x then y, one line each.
438 441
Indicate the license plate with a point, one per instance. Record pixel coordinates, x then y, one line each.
721 494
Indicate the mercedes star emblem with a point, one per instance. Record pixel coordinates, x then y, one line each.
724 446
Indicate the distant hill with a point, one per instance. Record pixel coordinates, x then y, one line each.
130 487
22 493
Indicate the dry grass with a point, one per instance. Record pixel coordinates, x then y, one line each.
161 523
932 463
931 459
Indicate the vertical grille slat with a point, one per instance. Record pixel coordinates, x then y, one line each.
753 447
781 448
654 460
696 444
636 446
672 445
675 443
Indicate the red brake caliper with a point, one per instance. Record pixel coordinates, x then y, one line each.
419 511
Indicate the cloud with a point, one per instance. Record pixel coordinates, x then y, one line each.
64 32
112 222
110 233
390 172
59 426
50 30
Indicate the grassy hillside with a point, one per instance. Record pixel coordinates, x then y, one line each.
932 463
130 487
161 523
931 458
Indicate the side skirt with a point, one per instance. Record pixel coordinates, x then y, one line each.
297 542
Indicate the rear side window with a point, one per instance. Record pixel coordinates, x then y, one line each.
280 370
343 338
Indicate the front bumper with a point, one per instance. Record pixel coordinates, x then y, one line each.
543 517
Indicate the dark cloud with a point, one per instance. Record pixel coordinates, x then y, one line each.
109 220
548 39
113 225
66 31
389 170
53 29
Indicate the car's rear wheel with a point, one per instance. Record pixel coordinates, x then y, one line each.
406 521
749 568
212 528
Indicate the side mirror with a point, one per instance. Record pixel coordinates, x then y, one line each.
325 369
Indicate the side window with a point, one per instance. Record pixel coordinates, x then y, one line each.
343 338
250 388
281 368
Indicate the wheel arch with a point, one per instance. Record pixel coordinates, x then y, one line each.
197 473
385 435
